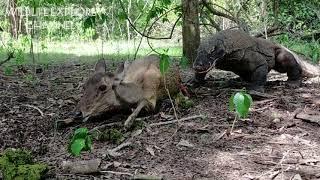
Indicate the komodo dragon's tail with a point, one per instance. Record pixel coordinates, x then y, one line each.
308 70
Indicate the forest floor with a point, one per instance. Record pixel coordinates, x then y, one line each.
271 144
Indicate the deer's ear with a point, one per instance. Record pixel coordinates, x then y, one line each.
100 66
120 73
122 68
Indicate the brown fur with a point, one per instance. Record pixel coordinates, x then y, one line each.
139 84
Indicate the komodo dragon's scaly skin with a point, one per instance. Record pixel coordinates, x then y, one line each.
249 57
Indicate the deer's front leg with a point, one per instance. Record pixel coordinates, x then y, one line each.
135 113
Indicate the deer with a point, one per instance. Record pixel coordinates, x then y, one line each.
138 85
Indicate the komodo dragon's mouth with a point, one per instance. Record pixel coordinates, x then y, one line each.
204 69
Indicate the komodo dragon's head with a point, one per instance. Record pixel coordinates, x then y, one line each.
209 51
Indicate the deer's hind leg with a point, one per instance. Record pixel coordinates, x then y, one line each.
150 85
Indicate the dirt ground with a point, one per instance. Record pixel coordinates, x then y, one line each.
271 144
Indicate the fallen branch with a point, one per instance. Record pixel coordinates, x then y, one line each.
259 95
34 107
221 135
103 126
117 173
81 167
269 31
113 152
313 117
175 121
147 177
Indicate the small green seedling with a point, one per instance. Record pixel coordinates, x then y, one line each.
81 141
240 102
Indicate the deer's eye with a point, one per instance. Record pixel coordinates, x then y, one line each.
102 87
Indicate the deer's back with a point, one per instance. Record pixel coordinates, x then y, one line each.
137 70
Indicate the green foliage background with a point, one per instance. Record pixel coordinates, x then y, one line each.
298 20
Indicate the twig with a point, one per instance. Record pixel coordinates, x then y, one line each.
113 152
121 146
213 23
280 163
274 174
260 109
148 38
269 31
34 107
146 35
179 120
218 13
264 101
147 177
234 122
117 173
104 126
144 30
158 18
226 10
172 104
221 135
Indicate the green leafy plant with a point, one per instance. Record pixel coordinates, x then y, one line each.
183 101
8 71
240 102
18 164
112 135
29 78
184 63
81 141
164 63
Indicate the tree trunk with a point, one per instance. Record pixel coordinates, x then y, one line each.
190 29
16 22
276 11
13 18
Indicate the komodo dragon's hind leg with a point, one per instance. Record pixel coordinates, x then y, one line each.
259 78
285 62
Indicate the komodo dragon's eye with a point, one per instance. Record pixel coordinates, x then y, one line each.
213 50
211 53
